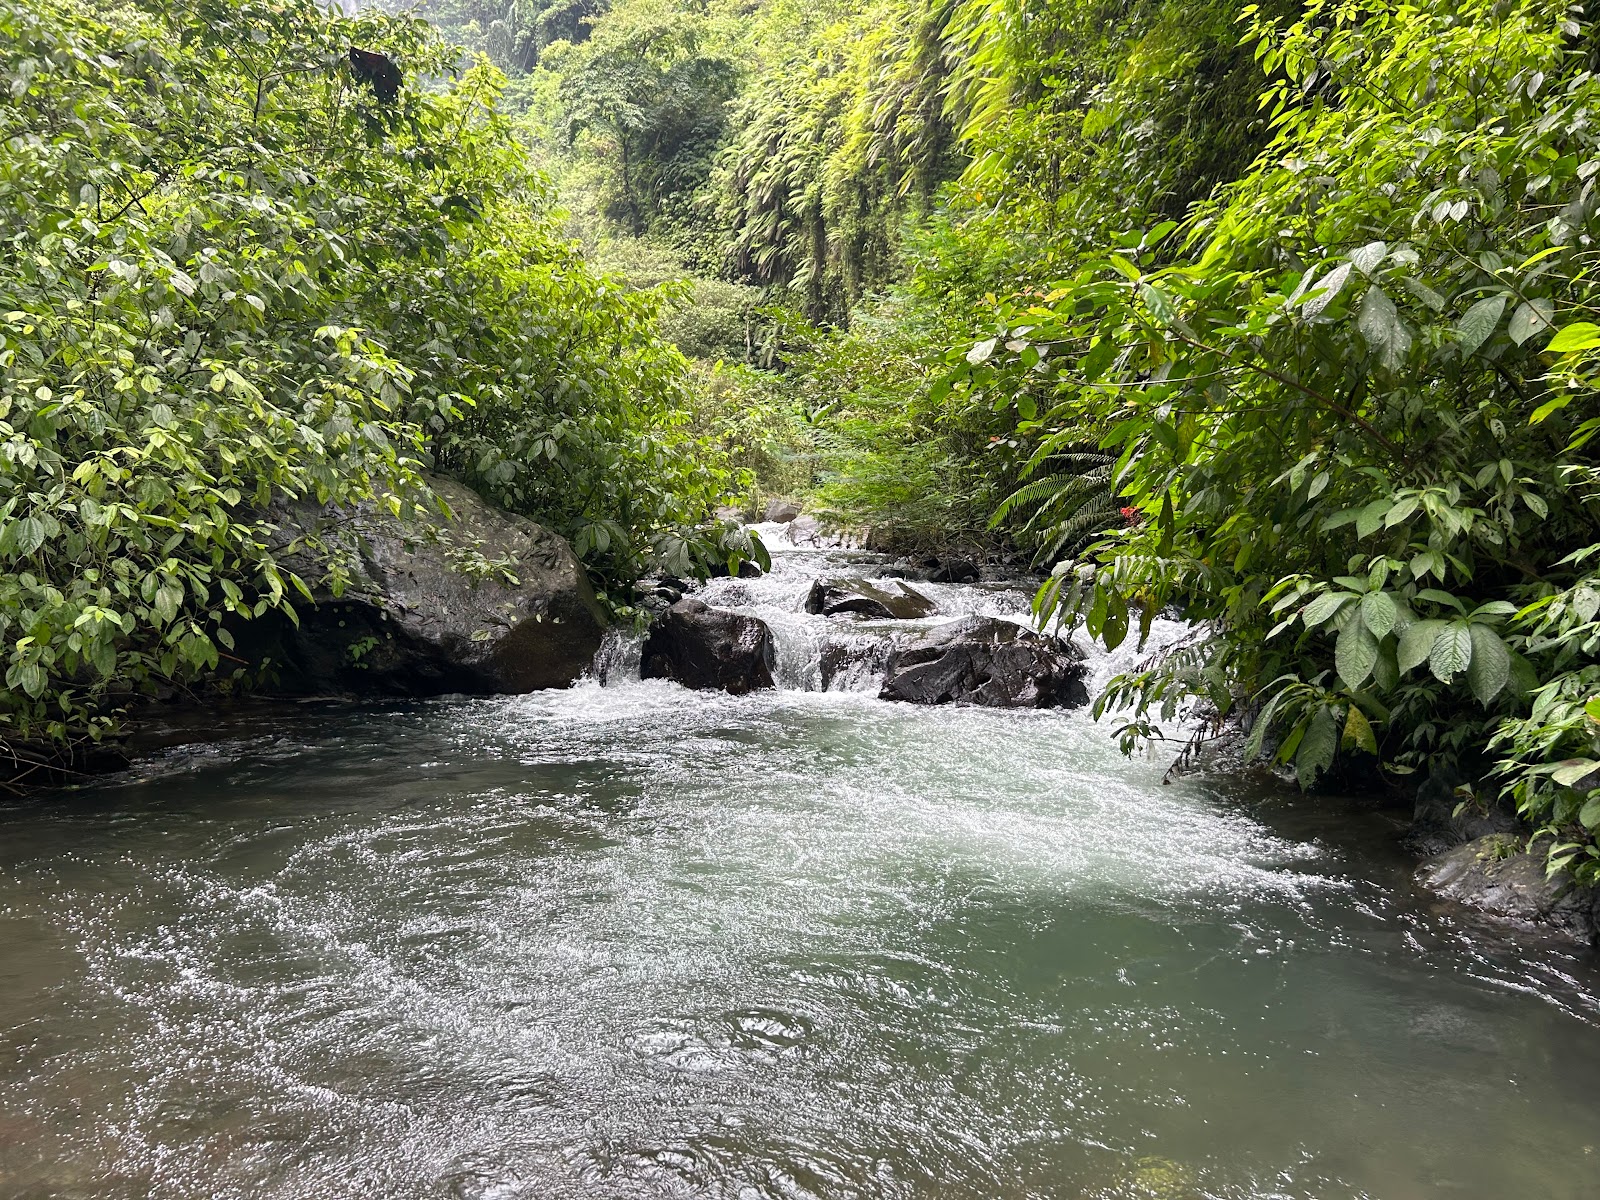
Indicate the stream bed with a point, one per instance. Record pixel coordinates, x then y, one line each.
632 941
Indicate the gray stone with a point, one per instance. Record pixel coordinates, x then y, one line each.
709 648
782 511
855 659
1496 875
805 531
984 660
409 621
857 597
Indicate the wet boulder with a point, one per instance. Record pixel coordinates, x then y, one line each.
1497 875
953 570
477 601
709 648
984 660
858 597
845 663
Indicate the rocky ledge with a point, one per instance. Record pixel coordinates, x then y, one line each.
1498 874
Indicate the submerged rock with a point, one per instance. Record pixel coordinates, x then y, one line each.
805 531
984 660
703 647
857 597
1496 875
411 621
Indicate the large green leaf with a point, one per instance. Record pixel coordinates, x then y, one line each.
1478 322
1490 667
1451 652
1380 323
1355 653
1378 612
1416 643
1530 318
1317 748
1325 606
1358 731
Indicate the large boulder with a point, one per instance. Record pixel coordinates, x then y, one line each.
857 597
703 648
781 511
984 660
479 601
1497 875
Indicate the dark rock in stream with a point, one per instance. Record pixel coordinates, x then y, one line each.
1498 876
857 597
410 622
703 648
984 660
953 570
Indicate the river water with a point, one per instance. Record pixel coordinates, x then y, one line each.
632 941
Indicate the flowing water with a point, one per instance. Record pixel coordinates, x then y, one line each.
632 941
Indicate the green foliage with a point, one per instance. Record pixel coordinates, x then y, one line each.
645 94
233 274
1332 401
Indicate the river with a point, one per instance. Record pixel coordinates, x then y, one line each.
632 941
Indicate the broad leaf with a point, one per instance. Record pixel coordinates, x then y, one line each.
1478 323
1416 644
1355 653
1530 318
1378 612
1317 747
1490 667
1452 651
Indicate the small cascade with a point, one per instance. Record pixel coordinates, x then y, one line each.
816 653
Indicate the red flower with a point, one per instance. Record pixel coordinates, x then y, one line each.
1132 516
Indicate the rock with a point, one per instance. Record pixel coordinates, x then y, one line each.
804 531
984 660
703 647
856 659
953 570
409 623
837 597
781 511
1436 826
1494 874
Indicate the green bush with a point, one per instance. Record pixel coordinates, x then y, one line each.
1356 451
235 270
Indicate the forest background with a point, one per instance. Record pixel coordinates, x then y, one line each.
1281 316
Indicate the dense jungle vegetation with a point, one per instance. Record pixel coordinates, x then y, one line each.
1280 315
242 266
